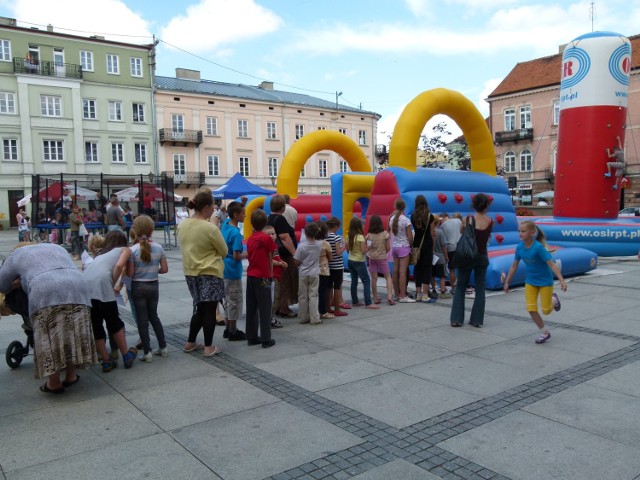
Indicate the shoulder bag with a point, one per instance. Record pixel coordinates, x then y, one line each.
467 249
414 257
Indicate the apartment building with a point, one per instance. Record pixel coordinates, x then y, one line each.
73 105
523 119
208 131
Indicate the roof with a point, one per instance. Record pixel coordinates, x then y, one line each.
545 72
250 92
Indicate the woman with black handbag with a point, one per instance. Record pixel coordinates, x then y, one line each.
424 230
480 225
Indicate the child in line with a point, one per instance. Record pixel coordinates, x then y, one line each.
400 226
438 269
24 229
307 258
260 247
378 245
357 247
278 266
336 268
146 261
539 280
101 276
325 273
233 297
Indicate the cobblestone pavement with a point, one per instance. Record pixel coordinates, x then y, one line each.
389 394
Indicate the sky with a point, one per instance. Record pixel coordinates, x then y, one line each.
379 53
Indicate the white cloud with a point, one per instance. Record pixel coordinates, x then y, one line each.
387 124
213 23
111 18
489 86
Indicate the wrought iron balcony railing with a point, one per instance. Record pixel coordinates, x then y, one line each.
180 136
514 135
47 68
187 179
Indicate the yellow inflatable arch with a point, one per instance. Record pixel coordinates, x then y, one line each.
406 134
312 143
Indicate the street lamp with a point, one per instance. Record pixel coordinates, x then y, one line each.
337 95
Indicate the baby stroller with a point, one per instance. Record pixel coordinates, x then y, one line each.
18 302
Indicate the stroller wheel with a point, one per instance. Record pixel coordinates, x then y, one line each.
14 354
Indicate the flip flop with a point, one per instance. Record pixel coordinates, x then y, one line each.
44 388
67 383
196 346
345 306
216 350
391 302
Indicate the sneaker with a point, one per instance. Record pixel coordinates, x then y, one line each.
148 357
162 352
615 187
254 341
556 302
268 343
452 291
431 300
406 300
276 324
237 336
418 297
544 337
225 334
445 295
607 175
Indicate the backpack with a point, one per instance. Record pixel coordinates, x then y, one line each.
467 250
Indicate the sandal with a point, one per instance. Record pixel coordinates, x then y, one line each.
45 388
345 306
391 302
196 346
107 366
327 315
276 324
216 350
377 302
130 357
68 383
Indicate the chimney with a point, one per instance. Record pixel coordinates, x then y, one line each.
49 28
188 74
10 22
266 85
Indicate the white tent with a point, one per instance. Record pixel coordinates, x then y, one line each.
131 194
547 194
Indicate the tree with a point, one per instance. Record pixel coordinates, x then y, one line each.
434 147
459 153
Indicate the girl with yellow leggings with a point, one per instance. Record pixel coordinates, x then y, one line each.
533 251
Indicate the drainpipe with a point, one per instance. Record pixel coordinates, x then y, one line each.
154 125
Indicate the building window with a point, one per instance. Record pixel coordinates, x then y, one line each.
244 166
343 166
53 150
343 131
510 120
212 126
362 137
509 162
51 106
525 117
115 110
214 165
299 131
10 149
272 132
556 112
89 109
321 127
138 112
136 67
140 150
177 122
91 152
273 167
117 152
86 60
5 50
525 161
243 129
322 168
7 102
113 64
179 164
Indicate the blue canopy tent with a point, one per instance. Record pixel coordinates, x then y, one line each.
237 186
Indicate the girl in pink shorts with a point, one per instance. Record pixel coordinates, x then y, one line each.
400 226
379 246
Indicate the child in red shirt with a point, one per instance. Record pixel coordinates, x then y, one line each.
260 247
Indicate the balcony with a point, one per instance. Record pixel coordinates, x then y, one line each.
514 135
186 179
180 136
47 69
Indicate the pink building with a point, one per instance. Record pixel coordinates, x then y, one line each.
208 131
523 119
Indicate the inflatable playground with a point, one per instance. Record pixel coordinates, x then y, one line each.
585 222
